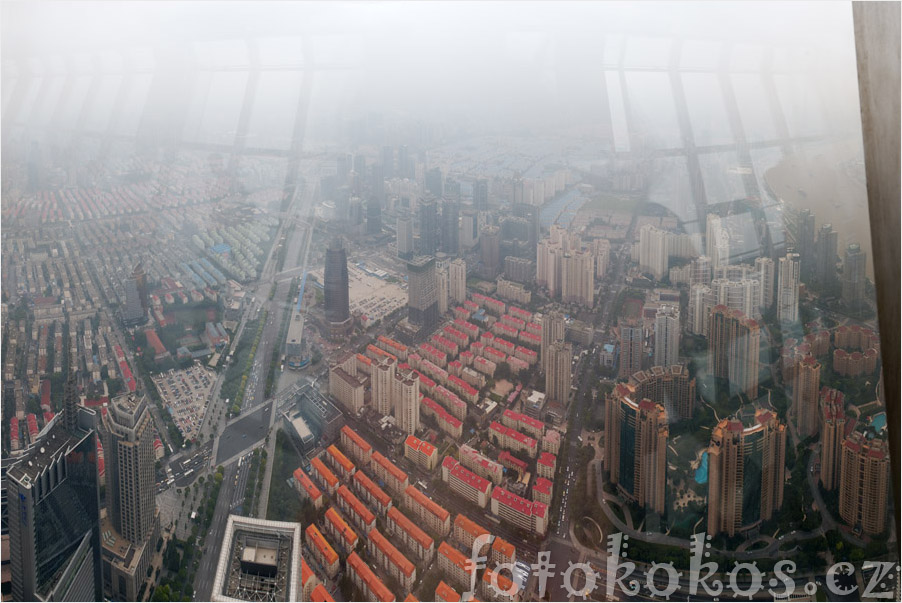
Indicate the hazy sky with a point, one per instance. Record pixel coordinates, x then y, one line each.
510 62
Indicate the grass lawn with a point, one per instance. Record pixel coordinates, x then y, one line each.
284 503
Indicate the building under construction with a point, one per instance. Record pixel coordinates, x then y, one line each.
260 560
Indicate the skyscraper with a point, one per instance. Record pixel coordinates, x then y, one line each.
377 183
552 332
804 239
429 227
636 432
806 390
653 257
405 165
54 530
701 299
853 271
335 289
825 257
788 288
743 294
717 241
457 285
481 195
864 482
832 434
667 385
490 250
764 267
700 271
422 292
469 229
383 379
406 400
435 183
450 226
131 526
746 471
388 162
578 278
128 447
733 349
631 344
133 313
140 277
404 238
558 378
667 336
444 282
373 216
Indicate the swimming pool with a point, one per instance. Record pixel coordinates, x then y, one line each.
701 474
878 421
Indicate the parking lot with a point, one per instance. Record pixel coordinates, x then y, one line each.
185 395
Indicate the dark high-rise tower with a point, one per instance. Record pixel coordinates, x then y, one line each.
490 248
422 292
805 243
853 267
434 182
335 288
140 277
373 217
450 226
377 182
54 530
133 313
481 195
825 257
388 162
429 227
405 165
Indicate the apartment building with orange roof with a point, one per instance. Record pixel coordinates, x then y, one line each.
306 489
394 479
341 464
502 552
391 560
339 530
454 565
322 551
319 595
411 535
357 448
421 453
466 531
359 514
309 579
426 510
327 479
367 581
370 493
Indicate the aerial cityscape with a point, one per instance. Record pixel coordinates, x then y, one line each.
326 302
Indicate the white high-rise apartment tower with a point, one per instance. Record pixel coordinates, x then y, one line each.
457 281
788 288
667 336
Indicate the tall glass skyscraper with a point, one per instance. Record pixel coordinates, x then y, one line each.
54 497
335 288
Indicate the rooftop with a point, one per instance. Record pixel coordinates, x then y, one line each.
260 560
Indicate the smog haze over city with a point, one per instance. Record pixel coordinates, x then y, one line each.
310 300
